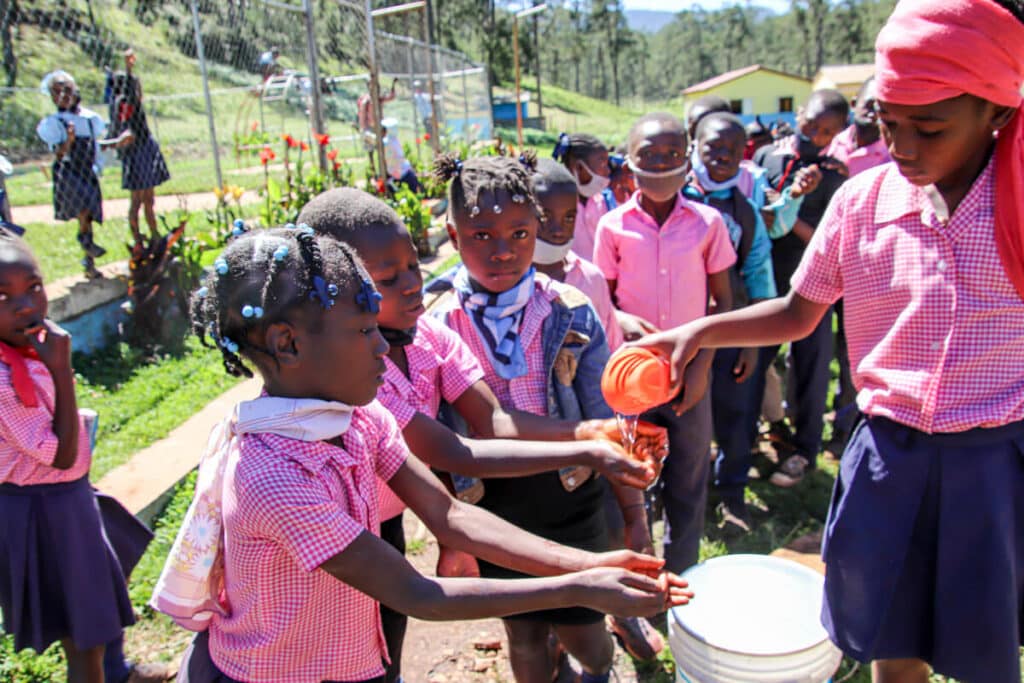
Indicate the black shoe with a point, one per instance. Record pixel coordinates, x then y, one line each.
791 472
91 248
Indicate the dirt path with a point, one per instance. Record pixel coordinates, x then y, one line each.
118 208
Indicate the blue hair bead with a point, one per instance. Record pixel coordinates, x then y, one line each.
257 312
332 289
202 292
305 229
247 311
239 223
281 253
221 266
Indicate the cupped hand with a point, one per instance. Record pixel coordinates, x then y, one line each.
627 594
454 563
648 565
622 469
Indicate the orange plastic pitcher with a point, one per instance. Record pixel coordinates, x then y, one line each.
635 380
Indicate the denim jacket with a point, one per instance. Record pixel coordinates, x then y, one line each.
575 352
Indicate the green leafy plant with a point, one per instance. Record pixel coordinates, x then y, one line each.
415 215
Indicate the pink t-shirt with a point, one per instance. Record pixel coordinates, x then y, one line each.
440 366
661 273
28 444
857 159
934 327
588 278
288 507
588 213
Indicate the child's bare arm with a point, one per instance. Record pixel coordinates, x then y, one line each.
770 322
634 515
439 447
378 570
53 344
476 531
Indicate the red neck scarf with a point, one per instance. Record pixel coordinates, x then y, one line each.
930 51
21 380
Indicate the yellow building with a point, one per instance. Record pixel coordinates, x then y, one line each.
846 78
755 90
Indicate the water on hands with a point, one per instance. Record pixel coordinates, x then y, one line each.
628 428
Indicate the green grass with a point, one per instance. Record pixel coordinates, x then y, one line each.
140 400
568 111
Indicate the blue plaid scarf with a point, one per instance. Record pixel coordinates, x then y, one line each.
497 318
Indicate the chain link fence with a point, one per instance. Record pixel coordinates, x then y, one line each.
256 55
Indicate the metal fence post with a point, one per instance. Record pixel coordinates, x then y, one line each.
316 110
206 93
371 46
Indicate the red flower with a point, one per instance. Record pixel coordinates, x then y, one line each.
426 136
337 165
289 140
323 139
380 185
255 126
267 155
303 146
419 141
332 155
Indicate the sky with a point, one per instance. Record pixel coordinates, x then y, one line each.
677 5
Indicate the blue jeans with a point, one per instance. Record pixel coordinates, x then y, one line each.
684 480
734 411
809 360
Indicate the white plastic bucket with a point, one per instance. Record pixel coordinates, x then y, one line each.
754 619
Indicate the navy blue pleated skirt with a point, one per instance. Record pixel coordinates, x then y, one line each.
60 576
924 549
143 165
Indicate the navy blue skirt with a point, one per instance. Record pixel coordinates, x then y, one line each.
143 166
59 574
924 549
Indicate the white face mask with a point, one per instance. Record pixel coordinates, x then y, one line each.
596 185
660 186
545 253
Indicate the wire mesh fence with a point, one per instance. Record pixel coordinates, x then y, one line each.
261 88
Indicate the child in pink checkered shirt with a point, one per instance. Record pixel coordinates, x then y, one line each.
289 500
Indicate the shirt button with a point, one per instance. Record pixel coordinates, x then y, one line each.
936 346
941 265
663 271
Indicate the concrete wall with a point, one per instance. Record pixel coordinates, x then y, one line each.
90 309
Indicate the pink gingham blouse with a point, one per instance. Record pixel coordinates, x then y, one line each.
289 506
27 442
529 392
440 366
934 327
588 278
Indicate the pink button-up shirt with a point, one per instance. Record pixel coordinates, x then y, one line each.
588 278
529 392
588 213
935 329
857 159
288 507
440 366
27 442
661 273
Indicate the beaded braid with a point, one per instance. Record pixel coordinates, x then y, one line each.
471 179
574 147
258 278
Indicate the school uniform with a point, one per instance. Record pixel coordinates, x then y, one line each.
661 275
588 213
76 183
60 575
142 163
735 406
922 545
809 357
588 278
555 372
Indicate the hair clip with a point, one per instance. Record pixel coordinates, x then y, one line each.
474 212
281 253
561 147
202 292
519 199
221 266
238 227
229 345
458 168
304 229
368 298
252 311
322 291
497 208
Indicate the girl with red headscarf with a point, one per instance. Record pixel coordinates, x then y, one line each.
924 542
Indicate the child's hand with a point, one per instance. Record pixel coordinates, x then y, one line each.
651 440
71 132
680 345
633 326
625 594
53 344
805 181
648 565
695 384
620 468
745 365
456 564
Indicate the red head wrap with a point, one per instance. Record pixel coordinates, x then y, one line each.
930 51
